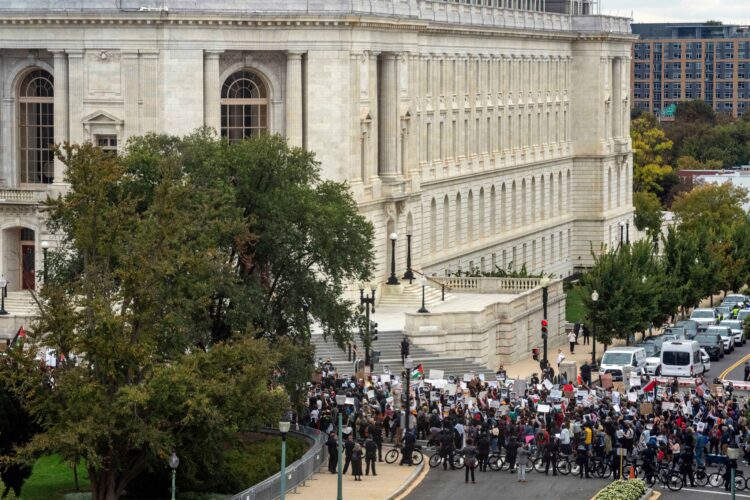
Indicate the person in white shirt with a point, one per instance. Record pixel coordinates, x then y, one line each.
560 359
572 341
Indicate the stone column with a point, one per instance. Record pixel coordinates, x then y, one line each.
388 105
294 98
75 103
617 97
130 65
212 90
61 107
150 92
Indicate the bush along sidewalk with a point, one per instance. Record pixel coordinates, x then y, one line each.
630 489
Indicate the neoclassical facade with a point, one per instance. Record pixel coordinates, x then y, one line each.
494 132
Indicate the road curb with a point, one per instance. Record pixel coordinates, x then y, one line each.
411 482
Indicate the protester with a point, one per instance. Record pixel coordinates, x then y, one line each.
522 455
572 341
371 449
470 459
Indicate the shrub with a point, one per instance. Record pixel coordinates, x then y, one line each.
632 489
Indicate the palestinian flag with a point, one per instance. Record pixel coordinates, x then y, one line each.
650 386
21 333
417 372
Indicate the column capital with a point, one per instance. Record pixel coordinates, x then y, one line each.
390 56
211 54
57 52
74 53
295 54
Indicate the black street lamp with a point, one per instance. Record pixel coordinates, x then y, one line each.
174 462
594 299
369 302
393 280
45 248
408 275
4 286
545 283
423 283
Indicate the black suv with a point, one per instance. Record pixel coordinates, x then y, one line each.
712 343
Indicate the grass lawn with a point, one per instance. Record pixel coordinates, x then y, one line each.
574 310
51 478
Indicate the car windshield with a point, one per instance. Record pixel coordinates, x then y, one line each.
677 358
702 314
706 339
731 324
724 332
617 358
649 348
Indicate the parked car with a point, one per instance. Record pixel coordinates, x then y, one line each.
744 313
724 312
712 343
653 358
737 330
736 298
616 358
690 326
706 360
674 333
704 317
681 359
726 336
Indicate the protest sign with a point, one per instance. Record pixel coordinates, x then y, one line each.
632 397
555 394
468 377
436 374
450 389
543 409
370 394
385 378
548 385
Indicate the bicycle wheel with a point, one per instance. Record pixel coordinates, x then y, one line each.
392 456
716 480
603 470
495 462
458 461
563 466
435 460
739 483
416 457
700 477
674 482
539 465
529 465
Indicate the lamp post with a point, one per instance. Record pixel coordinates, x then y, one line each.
409 274
340 402
45 248
408 364
283 428
4 286
393 280
174 462
369 302
545 283
594 299
423 284
733 454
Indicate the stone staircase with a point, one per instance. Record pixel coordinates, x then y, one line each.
21 303
410 295
389 345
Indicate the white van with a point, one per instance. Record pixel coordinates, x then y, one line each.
616 358
681 358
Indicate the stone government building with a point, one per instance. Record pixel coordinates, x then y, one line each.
495 132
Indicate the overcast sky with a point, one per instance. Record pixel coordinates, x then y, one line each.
675 11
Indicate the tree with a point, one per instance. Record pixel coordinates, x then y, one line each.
695 111
716 207
689 163
16 429
648 214
158 246
651 150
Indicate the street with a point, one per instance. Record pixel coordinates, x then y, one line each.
441 484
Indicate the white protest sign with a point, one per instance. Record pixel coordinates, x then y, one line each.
436 374
468 377
632 397
547 385
555 394
385 378
370 394
450 389
543 409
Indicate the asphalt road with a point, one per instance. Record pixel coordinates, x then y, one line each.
441 484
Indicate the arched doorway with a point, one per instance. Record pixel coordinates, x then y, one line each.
19 258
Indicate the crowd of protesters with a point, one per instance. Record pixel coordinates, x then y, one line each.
544 418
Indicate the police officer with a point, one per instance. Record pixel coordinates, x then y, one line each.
446 448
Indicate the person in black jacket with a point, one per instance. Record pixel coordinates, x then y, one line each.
551 454
371 449
377 436
348 448
510 454
333 453
483 451
446 448
404 349
686 467
409 441
357 462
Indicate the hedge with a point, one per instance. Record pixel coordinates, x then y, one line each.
630 489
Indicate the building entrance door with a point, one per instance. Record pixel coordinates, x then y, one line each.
28 273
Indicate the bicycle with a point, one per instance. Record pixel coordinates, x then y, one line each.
395 453
436 460
668 477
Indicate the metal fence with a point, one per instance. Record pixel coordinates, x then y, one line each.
296 473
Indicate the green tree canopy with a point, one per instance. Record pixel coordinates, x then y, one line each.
651 153
648 214
715 207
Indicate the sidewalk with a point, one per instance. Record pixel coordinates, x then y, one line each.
390 479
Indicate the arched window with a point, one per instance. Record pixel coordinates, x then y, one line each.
493 214
543 201
433 226
244 106
559 193
446 221
533 201
459 216
481 213
36 134
470 218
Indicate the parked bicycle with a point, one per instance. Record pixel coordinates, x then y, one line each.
395 453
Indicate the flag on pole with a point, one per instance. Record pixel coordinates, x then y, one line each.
21 333
418 372
650 386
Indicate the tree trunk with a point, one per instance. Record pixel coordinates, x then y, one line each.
103 484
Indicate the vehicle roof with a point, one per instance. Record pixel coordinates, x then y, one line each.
624 349
680 343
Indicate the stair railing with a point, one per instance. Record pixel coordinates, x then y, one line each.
435 283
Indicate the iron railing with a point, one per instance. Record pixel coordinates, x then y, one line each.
296 473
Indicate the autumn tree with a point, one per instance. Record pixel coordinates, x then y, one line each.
651 153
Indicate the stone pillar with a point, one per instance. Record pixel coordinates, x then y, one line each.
617 97
60 107
294 98
75 103
372 100
150 93
388 105
212 90
130 65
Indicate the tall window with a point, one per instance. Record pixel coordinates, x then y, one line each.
244 106
36 128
